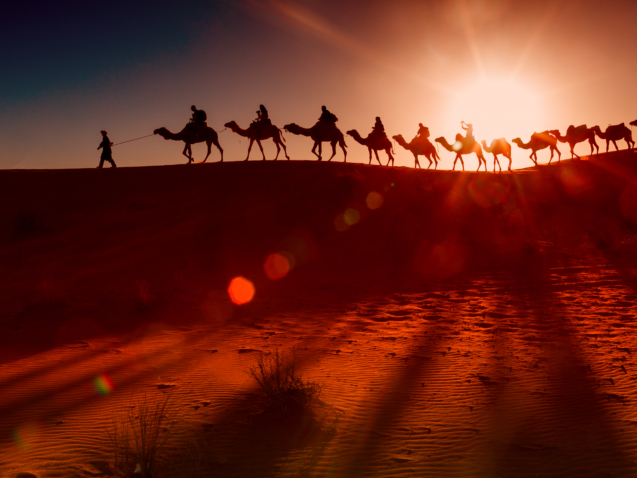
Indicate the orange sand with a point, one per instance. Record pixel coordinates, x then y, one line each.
472 325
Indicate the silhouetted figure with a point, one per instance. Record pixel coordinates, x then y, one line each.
327 116
321 132
376 143
576 135
259 130
463 146
198 116
614 133
537 142
378 130
107 154
420 145
498 146
423 132
191 134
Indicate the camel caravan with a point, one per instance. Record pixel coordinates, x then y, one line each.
326 131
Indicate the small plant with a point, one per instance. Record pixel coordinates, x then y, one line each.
284 389
140 436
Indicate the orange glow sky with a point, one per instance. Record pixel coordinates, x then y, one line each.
509 67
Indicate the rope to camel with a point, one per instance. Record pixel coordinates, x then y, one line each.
117 144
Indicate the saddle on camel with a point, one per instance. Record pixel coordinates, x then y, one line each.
327 121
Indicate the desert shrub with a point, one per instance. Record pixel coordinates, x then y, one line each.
139 436
284 388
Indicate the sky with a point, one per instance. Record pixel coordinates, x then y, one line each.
71 69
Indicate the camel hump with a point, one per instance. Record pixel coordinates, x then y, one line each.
581 129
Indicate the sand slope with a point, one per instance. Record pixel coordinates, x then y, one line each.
472 325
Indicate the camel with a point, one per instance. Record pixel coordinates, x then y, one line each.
190 135
633 123
537 142
614 133
321 133
419 146
266 132
461 147
498 146
376 144
576 135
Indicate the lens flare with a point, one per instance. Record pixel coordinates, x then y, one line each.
278 265
340 223
374 200
103 384
240 290
24 435
351 216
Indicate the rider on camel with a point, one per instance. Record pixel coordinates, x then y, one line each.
378 130
327 116
423 132
198 116
468 127
263 119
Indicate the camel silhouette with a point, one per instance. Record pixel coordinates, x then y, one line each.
537 142
462 147
321 132
576 135
614 133
376 144
419 146
498 146
258 134
190 135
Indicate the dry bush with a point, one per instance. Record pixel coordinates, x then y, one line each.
284 389
139 436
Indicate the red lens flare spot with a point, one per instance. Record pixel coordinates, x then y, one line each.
278 265
240 290
374 200
340 223
103 384
351 216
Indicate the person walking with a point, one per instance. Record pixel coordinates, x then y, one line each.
107 154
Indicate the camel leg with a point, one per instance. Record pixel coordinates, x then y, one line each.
320 151
314 151
593 143
189 151
249 148
607 145
216 143
510 161
495 159
344 151
209 144
278 149
615 143
459 156
390 158
534 159
261 148
285 151
333 143
417 163
377 158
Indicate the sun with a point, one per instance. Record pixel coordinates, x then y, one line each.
498 109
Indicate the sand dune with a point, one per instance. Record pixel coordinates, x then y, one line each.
461 325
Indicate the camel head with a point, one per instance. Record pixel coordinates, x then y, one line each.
232 125
163 132
291 128
484 144
517 141
633 123
354 134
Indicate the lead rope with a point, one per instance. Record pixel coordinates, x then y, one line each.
117 144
